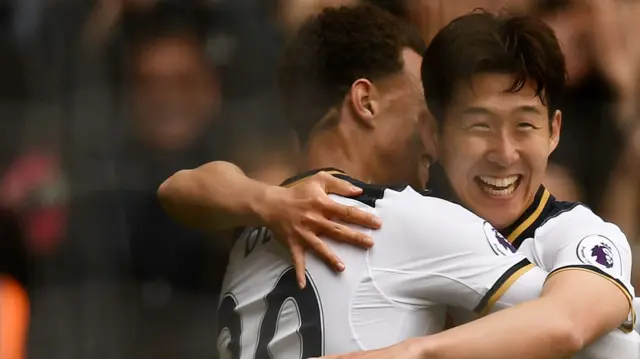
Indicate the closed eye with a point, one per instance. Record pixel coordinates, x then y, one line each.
527 125
480 126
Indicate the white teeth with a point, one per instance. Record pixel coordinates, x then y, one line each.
501 192
499 186
501 182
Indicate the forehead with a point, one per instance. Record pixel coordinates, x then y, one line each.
168 53
491 91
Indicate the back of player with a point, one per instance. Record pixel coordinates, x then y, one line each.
262 312
428 253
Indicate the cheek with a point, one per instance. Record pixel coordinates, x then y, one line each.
462 153
536 154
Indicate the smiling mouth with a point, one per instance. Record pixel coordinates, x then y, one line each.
499 186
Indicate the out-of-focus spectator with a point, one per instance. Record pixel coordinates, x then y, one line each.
590 135
622 202
174 90
171 109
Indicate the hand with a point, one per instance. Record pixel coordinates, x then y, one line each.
299 214
407 349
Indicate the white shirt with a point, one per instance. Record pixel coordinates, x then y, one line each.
428 253
559 236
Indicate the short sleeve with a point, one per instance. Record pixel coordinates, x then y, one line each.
444 254
580 240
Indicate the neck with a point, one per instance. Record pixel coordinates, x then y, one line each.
335 149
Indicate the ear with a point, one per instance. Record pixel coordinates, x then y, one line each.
556 125
364 101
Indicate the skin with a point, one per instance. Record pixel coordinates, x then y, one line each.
492 133
175 92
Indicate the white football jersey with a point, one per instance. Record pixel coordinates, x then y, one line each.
559 236
428 253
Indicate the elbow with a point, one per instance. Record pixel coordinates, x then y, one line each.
167 191
568 336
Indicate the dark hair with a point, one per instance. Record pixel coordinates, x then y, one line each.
485 43
550 7
398 8
144 26
334 49
166 19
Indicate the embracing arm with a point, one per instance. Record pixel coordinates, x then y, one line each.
219 196
555 325
215 196
544 316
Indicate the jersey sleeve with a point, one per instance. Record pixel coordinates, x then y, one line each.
580 240
443 254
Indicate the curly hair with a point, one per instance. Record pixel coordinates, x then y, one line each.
481 42
333 50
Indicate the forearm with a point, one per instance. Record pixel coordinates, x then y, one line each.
212 197
575 308
529 331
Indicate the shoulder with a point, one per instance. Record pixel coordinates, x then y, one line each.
570 219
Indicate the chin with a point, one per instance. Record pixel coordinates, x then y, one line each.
504 218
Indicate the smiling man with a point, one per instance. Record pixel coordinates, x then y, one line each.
498 123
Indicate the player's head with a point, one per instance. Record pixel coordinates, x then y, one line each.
352 74
493 84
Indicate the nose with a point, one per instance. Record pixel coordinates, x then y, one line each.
504 150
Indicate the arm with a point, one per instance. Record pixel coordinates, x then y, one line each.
594 253
219 196
214 196
556 325
579 304
472 272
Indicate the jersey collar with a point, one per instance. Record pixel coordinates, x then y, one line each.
295 179
525 226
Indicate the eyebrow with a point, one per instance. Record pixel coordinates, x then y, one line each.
477 111
528 109
486 112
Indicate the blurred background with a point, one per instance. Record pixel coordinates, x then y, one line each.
101 100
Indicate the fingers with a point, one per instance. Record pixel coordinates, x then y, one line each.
338 186
297 254
323 251
342 233
354 215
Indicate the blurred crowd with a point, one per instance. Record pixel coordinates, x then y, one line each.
101 100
